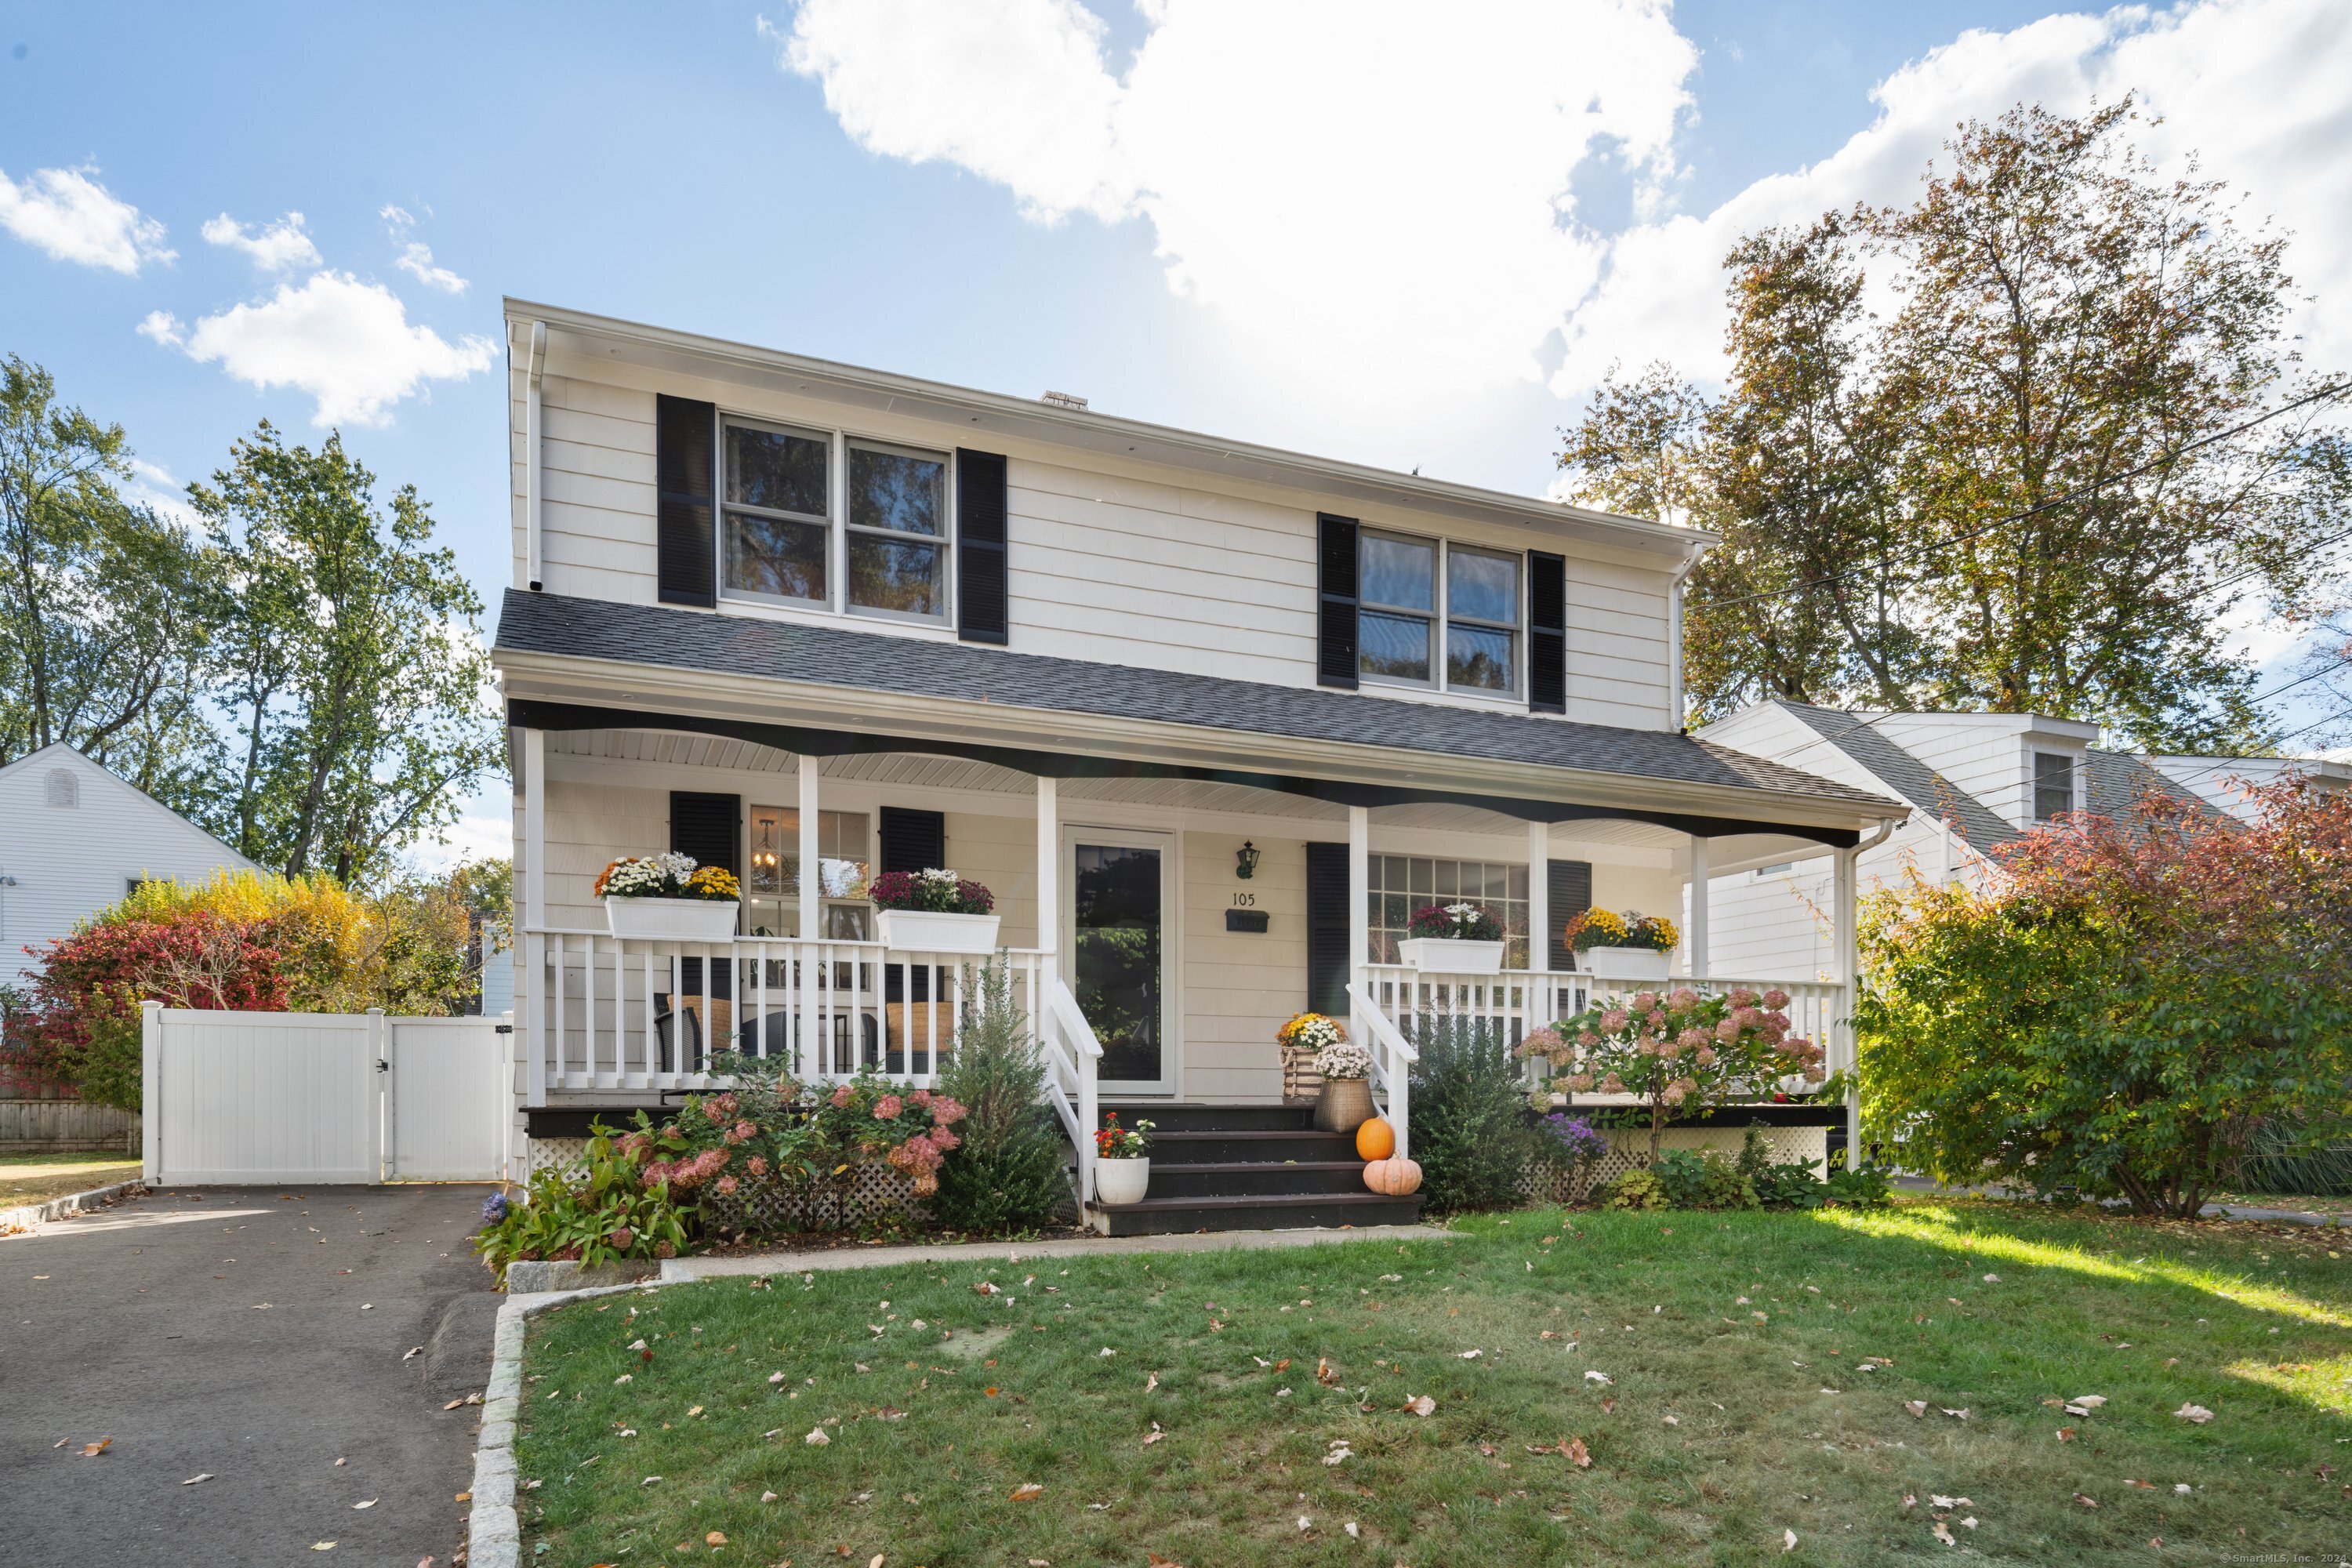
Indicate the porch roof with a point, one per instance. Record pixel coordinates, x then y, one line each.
963 692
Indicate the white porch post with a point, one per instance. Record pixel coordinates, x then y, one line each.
1540 1004
531 796
1049 887
1360 877
1696 939
809 884
1843 1053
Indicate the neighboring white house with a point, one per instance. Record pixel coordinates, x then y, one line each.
1210 719
1974 780
74 838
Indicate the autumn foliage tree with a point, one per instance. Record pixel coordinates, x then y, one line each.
2121 1007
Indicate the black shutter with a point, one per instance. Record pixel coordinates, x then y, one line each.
707 827
1568 893
913 840
1330 910
1547 632
686 450
1337 593
982 578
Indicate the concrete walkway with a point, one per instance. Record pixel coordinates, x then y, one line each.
854 1255
256 1338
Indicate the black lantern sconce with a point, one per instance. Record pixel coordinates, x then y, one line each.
1246 861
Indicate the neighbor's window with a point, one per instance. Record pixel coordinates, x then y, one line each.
1396 623
772 885
1482 619
1400 884
2053 786
898 531
777 516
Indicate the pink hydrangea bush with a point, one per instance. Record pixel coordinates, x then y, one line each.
1677 1052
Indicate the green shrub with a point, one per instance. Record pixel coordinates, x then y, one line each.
1705 1180
1792 1186
1007 1178
604 1215
1636 1189
1470 1132
1862 1189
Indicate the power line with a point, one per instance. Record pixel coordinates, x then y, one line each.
2337 389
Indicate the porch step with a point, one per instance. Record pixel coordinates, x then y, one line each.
1163 1215
1198 1116
1211 1146
1289 1178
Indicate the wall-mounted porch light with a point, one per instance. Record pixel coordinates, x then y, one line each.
1246 861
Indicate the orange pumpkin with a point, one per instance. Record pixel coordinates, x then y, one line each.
1394 1177
1375 1140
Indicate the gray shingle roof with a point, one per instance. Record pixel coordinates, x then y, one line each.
831 655
2115 781
1906 774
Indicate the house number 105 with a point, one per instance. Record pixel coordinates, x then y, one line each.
1244 900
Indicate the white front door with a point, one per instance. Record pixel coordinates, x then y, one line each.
1119 928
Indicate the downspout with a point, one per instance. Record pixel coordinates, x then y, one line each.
1674 709
1850 965
531 482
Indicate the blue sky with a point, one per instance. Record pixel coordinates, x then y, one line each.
1414 240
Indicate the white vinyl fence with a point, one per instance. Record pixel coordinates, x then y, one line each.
321 1098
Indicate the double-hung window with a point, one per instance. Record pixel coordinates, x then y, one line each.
779 522
897 532
2053 786
779 482
1470 642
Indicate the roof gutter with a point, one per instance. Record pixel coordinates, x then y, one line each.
1676 710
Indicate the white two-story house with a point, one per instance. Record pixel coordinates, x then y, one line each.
1208 719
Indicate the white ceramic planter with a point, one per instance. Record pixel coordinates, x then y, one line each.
1122 1180
1450 955
921 931
1625 962
676 920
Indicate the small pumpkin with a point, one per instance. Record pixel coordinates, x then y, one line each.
1393 1177
1375 1140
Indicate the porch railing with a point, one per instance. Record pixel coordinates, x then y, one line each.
1392 1062
1073 1058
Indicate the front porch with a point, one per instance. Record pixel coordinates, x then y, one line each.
1155 974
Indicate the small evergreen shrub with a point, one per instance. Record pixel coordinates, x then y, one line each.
1470 1132
1007 1178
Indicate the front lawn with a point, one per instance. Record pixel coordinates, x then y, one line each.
1731 1378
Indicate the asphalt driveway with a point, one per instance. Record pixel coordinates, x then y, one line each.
257 1336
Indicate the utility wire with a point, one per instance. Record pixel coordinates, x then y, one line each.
2337 389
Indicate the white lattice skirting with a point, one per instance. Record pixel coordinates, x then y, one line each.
1629 1147
878 1193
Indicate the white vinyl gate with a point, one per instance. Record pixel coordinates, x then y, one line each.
274 1098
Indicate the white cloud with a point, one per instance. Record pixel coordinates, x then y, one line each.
484 831
273 248
152 484
416 260
1370 200
2252 86
72 217
346 342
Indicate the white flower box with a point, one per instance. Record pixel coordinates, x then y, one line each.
1452 955
1116 1181
1625 962
925 931
675 919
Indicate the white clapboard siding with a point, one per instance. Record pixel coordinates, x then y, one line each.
1239 987
62 863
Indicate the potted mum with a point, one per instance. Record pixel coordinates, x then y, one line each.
1122 1160
1629 946
1345 1101
933 911
1453 938
668 896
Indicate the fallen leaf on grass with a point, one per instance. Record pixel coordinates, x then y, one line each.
2066 1434
2196 1413
1919 1408
1600 1378
1609 1405
1419 1405
817 1437
1029 1491
1577 1455
2086 1502
1943 1533
1281 1366
2141 1486
716 1537
1153 1436
1323 1373
1150 1383
767 1497
1955 1415
1158 1561
1788 1541
2088 1401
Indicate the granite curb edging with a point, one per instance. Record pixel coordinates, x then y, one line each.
493 1527
29 1215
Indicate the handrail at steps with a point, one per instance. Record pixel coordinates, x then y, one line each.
1395 1071
1085 1052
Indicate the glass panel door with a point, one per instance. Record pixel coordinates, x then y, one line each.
1119 897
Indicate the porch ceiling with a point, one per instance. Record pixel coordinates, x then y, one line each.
834 692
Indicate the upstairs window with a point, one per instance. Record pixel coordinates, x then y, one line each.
1407 637
778 516
897 532
2053 786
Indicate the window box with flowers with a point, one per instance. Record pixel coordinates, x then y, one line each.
933 911
1122 1160
1611 946
1453 938
668 897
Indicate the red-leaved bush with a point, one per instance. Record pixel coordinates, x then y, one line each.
2122 1005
